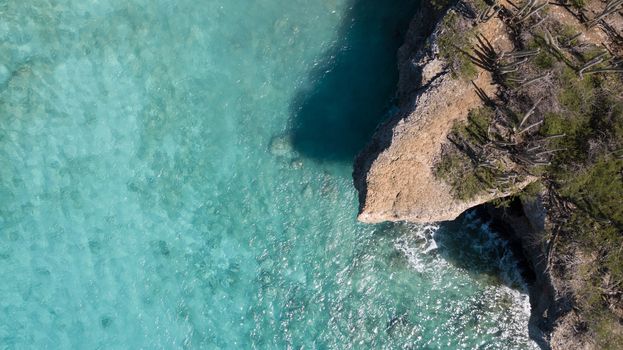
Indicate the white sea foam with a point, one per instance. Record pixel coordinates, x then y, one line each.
417 244
502 311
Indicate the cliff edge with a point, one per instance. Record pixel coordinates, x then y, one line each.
394 174
495 96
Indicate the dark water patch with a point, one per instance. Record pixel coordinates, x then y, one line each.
473 242
106 321
509 233
351 89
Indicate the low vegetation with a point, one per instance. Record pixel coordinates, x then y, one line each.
558 117
453 39
460 168
466 180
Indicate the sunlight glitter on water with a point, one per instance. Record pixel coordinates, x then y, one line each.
159 188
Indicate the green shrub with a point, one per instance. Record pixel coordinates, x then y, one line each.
596 227
475 129
544 60
599 191
452 41
586 170
466 180
440 4
607 330
464 68
531 192
577 96
480 5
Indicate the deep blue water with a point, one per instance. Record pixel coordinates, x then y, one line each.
176 174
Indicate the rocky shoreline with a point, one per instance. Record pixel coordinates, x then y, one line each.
422 75
394 173
395 179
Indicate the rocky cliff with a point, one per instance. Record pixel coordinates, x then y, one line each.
576 296
394 173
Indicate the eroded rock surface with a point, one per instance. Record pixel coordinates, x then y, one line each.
394 174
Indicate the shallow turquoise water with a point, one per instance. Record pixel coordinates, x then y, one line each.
176 174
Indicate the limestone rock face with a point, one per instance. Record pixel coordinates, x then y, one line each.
394 173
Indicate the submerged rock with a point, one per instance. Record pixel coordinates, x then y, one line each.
281 146
296 164
307 191
5 75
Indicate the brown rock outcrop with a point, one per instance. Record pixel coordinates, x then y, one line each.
394 173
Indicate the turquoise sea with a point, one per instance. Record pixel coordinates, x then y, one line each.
175 174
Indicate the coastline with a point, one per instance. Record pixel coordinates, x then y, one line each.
395 173
413 82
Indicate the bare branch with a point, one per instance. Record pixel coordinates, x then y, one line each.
529 112
530 127
595 61
533 80
612 7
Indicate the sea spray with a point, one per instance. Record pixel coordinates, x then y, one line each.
418 246
503 302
